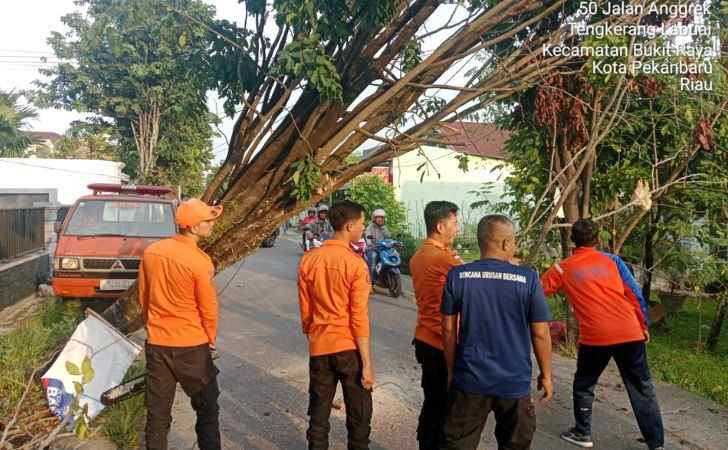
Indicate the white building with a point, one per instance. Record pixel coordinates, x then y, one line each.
23 179
434 173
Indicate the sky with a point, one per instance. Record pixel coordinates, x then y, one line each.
25 25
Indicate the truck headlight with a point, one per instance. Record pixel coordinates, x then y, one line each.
69 263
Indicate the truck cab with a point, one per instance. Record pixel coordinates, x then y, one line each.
103 236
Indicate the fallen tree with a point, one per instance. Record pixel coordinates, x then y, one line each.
339 74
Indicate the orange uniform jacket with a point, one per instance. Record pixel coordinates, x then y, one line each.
607 301
429 267
333 293
177 294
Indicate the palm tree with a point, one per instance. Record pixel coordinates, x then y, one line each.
13 119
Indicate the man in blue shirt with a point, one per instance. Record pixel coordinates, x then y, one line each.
492 312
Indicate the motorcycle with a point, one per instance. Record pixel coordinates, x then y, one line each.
270 241
359 247
310 240
387 273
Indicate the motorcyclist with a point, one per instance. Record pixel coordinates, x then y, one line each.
310 218
375 232
306 224
322 227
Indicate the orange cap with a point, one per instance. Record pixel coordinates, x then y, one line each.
194 211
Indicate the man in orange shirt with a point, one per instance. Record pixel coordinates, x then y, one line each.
333 293
429 267
179 307
612 315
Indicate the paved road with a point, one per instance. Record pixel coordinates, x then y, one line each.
264 377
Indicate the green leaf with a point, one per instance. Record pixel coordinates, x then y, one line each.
605 235
78 387
689 116
87 370
81 429
72 369
182 41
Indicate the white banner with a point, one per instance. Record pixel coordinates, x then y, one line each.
95 359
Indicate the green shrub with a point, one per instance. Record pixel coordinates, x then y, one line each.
372 193
121 422
410 245
30 345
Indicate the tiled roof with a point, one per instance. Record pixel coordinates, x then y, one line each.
43 135
478 139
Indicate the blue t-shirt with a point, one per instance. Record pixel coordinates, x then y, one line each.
497 302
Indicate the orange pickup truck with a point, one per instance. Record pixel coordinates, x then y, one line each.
101 240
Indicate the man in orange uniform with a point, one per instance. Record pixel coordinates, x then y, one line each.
179 308
333 292
612 315
429 267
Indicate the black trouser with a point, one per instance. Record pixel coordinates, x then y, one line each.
631 361
325 372
434 386
515 421
193 369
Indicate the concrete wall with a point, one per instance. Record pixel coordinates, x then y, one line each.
36 198
19 278
16 198
444 180
69 176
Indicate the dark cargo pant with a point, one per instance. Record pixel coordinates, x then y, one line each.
326 372
193 369
631 360
515 421
434 387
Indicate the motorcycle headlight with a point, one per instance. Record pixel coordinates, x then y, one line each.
69 263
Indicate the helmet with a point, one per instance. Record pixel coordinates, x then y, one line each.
379 212
323 208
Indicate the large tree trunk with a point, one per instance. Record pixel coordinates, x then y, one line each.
146 135
270 135
714 335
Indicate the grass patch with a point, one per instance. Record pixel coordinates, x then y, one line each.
30 345
122 422
676 353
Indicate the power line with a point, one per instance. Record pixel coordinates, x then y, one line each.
32 57
219 150
26 64
21 69
30 63
57 168
25 51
